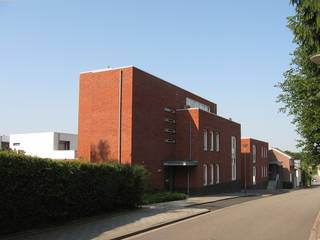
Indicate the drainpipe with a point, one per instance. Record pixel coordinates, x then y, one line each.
120 116
190 142
190 158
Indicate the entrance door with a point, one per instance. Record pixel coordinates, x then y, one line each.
169 179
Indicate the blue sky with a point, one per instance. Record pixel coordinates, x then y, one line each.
230 52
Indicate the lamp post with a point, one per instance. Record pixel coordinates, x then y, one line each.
315 58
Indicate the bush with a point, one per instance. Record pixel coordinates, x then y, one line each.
149 198
34 190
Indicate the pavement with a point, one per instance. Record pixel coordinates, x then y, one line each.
283 216
127 223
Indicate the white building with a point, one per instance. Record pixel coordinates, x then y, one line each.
4 142
46 144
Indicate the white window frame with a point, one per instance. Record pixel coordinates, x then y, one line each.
290 177
205 175
212 174
217 173
254 153
212 141
217 141
233 158
205 140
254 175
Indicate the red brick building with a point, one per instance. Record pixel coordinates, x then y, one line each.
254 166
130 116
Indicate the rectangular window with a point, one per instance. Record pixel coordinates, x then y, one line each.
64 145
195 104
254 153
217 174
233 157
217 142
16 144
169 110
261 152
212 174
205 175
212 141
254 173
205 140
170 120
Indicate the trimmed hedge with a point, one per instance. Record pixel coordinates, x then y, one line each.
158 197
35 191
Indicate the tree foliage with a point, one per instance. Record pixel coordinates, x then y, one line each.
301 87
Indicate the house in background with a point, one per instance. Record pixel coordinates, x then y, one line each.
284 169
254 166
53 145
4 142
131 116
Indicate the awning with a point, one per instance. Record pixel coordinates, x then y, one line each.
275 163
176 163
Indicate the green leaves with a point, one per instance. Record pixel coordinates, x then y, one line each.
37 191
301 86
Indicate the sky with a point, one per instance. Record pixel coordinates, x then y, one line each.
230 52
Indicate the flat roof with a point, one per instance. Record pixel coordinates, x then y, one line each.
106 69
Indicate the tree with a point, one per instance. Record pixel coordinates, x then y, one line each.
301 86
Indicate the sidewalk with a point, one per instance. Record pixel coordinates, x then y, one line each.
119 225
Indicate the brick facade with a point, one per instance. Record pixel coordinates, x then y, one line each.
131 116
248 163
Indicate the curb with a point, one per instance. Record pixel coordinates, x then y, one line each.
223 199
315 231
159 225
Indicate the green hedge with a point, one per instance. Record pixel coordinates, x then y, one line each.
157 197
36 191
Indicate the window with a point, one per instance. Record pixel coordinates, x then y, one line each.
64 145
205 175
266 152
212 174
16 144
195 104
262 152
205 140
169 110
217 142
266 171
254 153
170 120
212 141
233 158
262 171
254 173
170 140
217 173
169 130
290 175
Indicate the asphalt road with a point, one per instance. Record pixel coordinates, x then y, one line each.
285 216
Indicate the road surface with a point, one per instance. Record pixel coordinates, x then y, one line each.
285 216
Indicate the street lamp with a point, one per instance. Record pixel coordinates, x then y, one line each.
315 58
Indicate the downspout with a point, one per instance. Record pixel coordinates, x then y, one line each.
190 158
120 116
